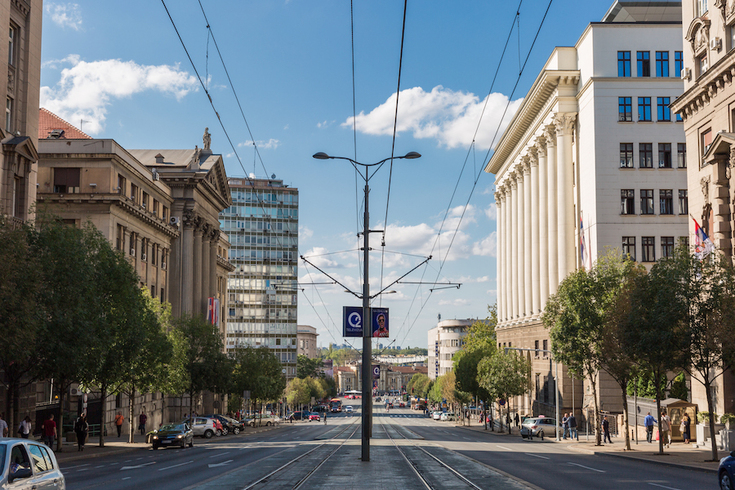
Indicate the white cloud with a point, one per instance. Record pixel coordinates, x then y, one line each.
454 302
492 211
447 116
305 233
87 89
271 144
65 15
318 257
487 247
422 240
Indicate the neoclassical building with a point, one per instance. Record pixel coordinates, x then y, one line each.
707 108
593 160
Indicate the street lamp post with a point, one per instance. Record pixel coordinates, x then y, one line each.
367 347
556 382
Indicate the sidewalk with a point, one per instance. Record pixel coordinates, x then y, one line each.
679 454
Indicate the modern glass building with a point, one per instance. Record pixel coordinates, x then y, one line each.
262 225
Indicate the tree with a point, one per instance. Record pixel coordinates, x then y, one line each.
419 385
306 367
258 371
504 375
679 387
297 392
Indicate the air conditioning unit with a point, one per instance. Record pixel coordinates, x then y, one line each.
74 390
715 44
155 175
144 257
686 74
132 252
174 220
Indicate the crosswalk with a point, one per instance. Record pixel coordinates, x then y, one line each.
401 415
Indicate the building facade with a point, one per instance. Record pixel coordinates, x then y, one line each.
707 107
306 340
444 341
262 225
593 160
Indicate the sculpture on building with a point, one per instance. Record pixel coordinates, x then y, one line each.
207 139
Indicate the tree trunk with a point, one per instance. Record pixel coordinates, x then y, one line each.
625 416
131 415
103 414
598 429
711 409
658 412
60 425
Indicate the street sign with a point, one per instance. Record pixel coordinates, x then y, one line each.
376 371
352 321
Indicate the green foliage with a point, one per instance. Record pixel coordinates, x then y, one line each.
419 385
679 388
504 375
645 385
727 418
306 367
705 418
297 392
259 371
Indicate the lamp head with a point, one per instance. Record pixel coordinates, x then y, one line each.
412 155
321 156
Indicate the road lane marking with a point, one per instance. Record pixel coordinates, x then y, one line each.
503 447
536 456
662 486
176 465
137 466
224 463
126 478
588 468
77 466
220 454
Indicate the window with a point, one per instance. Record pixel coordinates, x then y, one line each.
134 193
702 63
681 155
644 108
662 63
66 180
625 109
627 201
648 250
545 348
666 201
629 247
667 247
678 62
121 185
645 155
39 462
701 7
706 140
663 110
11 45
9 114
626 155
683 201
664 155
145 200
535 346
623 63
646 201
644 63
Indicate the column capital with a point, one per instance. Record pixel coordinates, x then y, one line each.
540 143
525 165
498 198
533 156
513 181
564 123
550 136
192 220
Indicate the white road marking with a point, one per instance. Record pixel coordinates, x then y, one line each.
126 478
536 456
77 466
220 454
176 465
662 486
503 447
220 464
588 468
136 467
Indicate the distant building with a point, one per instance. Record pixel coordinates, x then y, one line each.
444 341
263 228
306 340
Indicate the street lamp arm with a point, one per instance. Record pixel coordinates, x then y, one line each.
404 275
333 279
323 156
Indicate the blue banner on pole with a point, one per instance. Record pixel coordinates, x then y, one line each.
352 321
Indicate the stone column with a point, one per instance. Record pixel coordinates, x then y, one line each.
552 255
500 237
543 232
207 229
527 258
213 244
187 262
513 241
508 227
535 276
520 239
197 265
565 194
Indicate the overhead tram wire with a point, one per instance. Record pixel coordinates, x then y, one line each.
354 130
495 135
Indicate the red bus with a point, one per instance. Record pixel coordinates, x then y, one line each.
335 405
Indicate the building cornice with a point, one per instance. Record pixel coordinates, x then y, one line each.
706 87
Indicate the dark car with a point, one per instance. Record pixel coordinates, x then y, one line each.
298 416
173 435
228 424
726 473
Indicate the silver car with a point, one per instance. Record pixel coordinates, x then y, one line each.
538 427
28 464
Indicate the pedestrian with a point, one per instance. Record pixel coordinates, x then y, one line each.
649 422
325 417
81 428
118 423
25 428
49 431
573 434
142 419
606 430
3 426
565 425
665 428
685 428
518 421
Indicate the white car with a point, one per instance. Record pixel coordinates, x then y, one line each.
437 415
28 464
349 409
448 416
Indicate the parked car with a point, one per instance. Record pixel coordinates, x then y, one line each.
436 415
726 472
349 409
16 470
448 416
229 425
173 435
320 409
263 419
538 427
203 427
314 416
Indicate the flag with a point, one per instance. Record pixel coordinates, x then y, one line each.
584 251
213 311
703 246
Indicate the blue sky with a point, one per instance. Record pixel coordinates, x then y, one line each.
120 68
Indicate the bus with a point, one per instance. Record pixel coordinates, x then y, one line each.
335 405
353 394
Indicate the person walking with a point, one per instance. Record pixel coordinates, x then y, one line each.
684 427
81 429
606 430
665 428
573 434
518 421
142 419
25 428
325 417
49 431
565 425
3 426
119 423
649 422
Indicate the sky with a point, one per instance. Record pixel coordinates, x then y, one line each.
280 77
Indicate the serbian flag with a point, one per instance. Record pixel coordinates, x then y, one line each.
585 254
703 246
213 311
